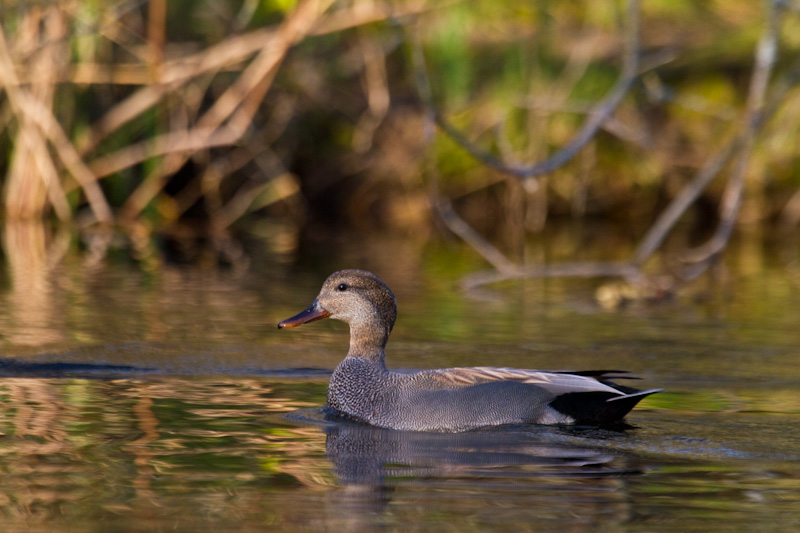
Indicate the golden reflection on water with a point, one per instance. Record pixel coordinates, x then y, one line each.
188 452
194 450
99 448
30 257
54 303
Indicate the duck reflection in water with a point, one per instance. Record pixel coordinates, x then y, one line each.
376 466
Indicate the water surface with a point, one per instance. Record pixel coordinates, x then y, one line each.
136 400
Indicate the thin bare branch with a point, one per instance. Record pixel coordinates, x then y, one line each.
276 189
460 227
174 74
757 113
602 111
765 58
506 269
68 155
682 201
186 141
561 270
362 13
443 206
376 86
240 101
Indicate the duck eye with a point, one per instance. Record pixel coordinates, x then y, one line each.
342 287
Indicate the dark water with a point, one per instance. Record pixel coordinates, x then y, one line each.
166 400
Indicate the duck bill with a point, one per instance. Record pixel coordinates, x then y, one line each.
314 312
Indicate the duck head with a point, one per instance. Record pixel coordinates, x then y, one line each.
359 298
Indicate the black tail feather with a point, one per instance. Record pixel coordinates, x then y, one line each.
598 408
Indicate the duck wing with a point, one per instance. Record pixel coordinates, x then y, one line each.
587 397
556 382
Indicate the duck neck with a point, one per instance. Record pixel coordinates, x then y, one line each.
368 341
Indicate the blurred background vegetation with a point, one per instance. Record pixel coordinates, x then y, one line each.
176 129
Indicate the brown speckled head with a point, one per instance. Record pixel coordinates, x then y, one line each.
362 300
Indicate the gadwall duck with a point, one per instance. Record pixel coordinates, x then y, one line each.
450 399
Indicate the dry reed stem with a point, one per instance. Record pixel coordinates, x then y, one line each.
226 55
237 105
172 142
18 193
32 175
68 155
363 13
156 37
208 184
24 197
245 198
292 30
280 188
174 75
240 101
32 110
